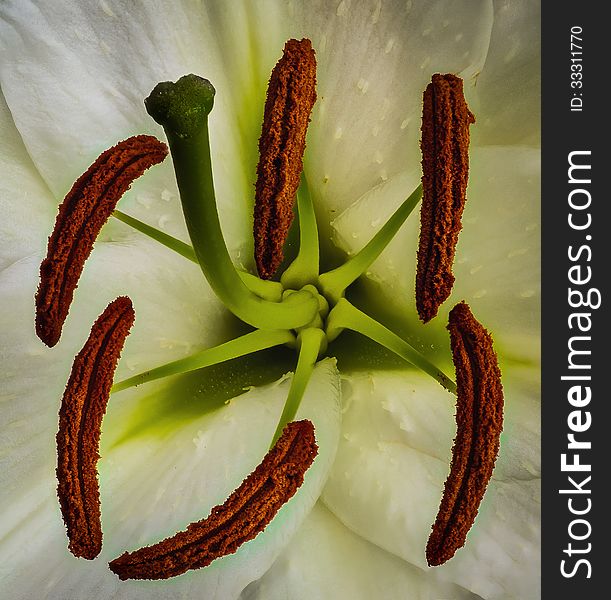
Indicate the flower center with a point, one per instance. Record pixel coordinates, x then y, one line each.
305 310
309 309
319 320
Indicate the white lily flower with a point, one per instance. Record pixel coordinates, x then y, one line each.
73 78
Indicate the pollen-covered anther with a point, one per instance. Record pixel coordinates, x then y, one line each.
291 95
445 167
245 514
80 420
85 209
479 422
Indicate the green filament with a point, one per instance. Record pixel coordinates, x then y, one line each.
163 238
246 344
334 283
304 269
346 316
311 341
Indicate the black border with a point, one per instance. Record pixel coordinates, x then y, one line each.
562 132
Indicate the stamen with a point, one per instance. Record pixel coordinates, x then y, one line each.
445 167
291 94
479 421
80 419
82 214
247 344
311 341
346 316
241 518
334 283
167 240
304 269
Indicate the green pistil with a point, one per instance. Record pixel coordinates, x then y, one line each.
346 316
310 340
268 290
304 269
333 284
182 109
251 342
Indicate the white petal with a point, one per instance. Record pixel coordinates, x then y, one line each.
175 314
497 264
396 267
75 77
375 59
394 457
327 560
152 487
506 95
502 558
498 268
26 204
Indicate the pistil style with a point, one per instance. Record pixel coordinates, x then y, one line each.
268 290
182 108
291 94
445 166
479 422
241 518
85 209
80 419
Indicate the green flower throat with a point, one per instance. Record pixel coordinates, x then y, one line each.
305 310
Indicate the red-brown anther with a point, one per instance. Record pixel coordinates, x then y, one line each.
291 94
241 518
479 422
445 168
80 419
82 214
